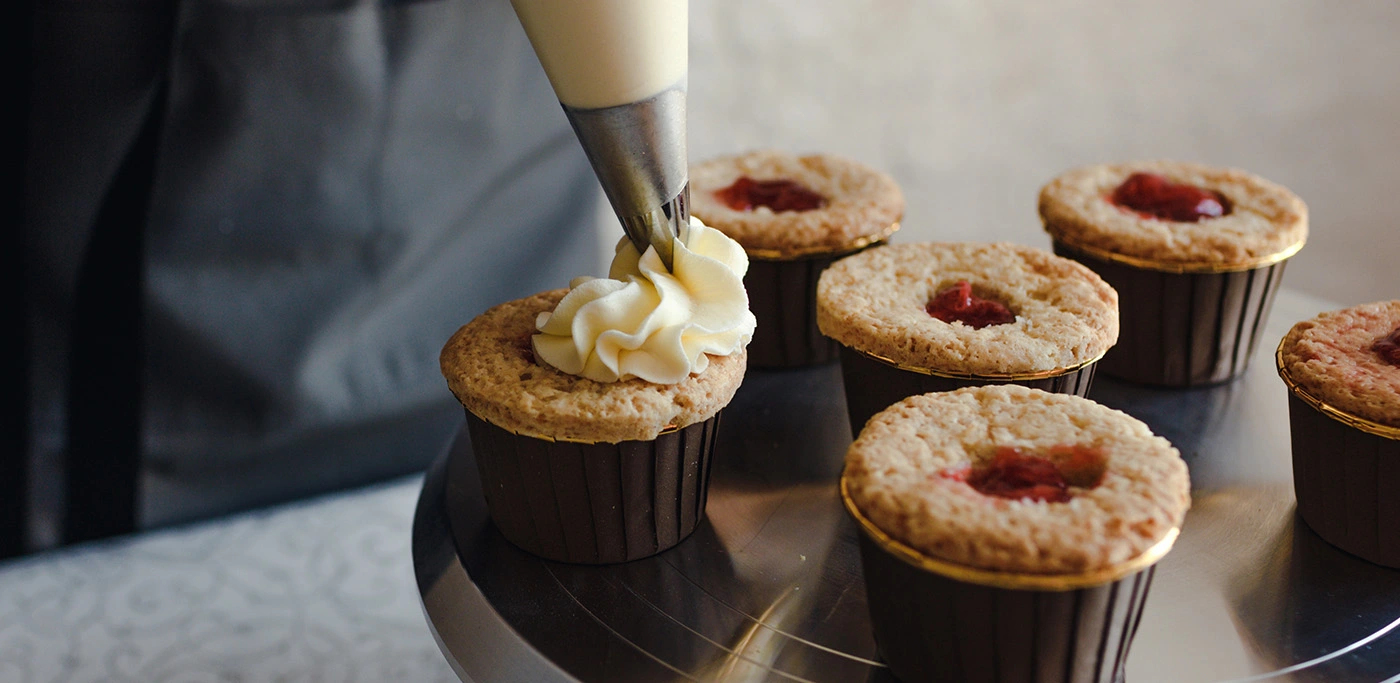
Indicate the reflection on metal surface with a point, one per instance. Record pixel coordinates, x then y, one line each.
769 587
1324 658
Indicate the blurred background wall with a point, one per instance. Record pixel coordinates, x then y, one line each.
972 106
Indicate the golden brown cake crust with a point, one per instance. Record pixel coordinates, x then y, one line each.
1265 220
490 369
863 204
875 302
1330 357
895 475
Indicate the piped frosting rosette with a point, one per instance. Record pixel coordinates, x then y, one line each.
647 322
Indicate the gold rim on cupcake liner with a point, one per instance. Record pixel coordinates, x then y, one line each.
995 377
1342 416
818 251
1007 580
1177 267
668 429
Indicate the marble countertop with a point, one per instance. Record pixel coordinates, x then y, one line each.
321 590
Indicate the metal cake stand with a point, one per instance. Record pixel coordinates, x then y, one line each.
769 587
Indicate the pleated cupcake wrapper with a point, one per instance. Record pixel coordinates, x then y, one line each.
1346 471
873 383
594 503
1182 325
938 621
783 297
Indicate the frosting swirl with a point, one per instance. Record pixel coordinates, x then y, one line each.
647 322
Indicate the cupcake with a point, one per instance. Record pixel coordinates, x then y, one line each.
593 412
1009 533
1342 370
1195 252
914 318
793 216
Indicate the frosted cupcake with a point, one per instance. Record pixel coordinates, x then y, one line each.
1342 370
1010 533
1195 252
914 318
593 412
793 215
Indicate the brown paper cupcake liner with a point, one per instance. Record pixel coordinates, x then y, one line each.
1346 471
1180 327
783 297
594 503
873 383
937 621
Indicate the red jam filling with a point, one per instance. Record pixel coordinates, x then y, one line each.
958 303
1153 196
746 194
1016 475
1388 347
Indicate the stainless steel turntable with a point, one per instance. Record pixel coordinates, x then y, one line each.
769 588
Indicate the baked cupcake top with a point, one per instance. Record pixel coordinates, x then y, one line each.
824 204
491 369
917 467
878 302
1349 359
1157 217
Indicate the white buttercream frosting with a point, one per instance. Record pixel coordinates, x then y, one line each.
645 321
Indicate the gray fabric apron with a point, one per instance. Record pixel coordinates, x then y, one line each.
337 187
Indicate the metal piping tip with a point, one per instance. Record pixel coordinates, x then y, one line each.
638 153
660 227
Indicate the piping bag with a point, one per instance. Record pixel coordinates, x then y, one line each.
619 69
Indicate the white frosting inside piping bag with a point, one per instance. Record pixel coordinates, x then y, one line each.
603 53
645 321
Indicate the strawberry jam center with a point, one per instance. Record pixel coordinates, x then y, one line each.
1154 196
1388 347
1017 475
959 304
746 194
